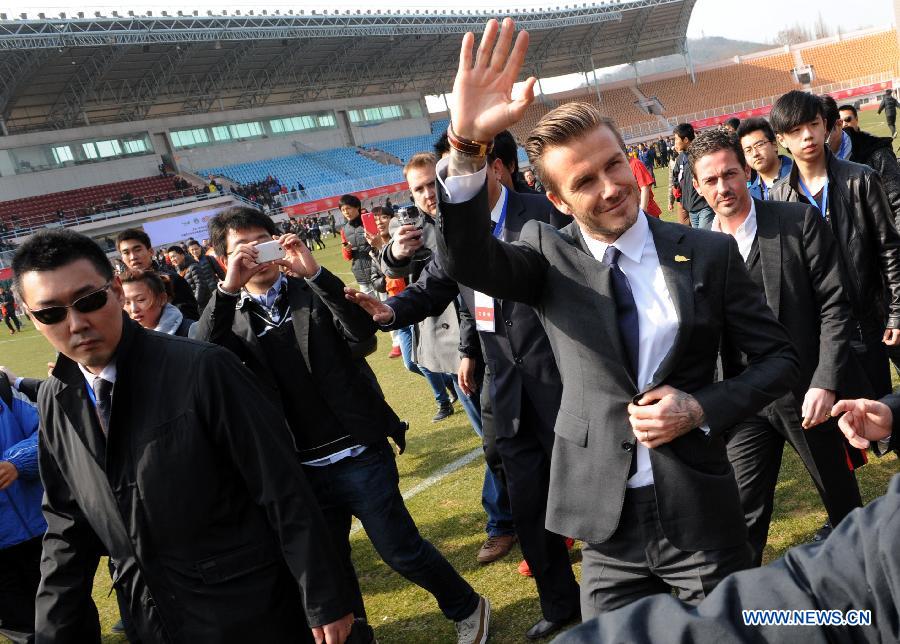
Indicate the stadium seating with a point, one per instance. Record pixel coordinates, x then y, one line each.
851 59
43 208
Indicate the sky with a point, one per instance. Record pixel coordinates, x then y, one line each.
726 18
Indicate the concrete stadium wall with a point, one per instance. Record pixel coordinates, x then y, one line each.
16 186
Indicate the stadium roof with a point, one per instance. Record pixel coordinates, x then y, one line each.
69 71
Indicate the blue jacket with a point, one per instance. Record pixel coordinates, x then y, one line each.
756 186
20 504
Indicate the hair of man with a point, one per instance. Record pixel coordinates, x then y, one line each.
48 250
756 124
420 160
237 218
713 140
135 234
561 125
793 109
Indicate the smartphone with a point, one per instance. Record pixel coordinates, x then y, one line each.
269 252
368 222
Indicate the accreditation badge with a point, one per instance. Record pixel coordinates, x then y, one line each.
484 312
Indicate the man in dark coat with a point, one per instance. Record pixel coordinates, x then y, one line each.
889 106
792 257
210 526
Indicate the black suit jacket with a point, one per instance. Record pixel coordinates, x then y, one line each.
552 271
800 268
211 527
517 354
324 323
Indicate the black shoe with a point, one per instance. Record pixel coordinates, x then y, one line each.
118 627
444 411
822 533
545 628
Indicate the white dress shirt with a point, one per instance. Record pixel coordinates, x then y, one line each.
745 233
108 373
657 317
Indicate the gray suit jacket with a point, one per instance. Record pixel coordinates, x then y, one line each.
553 271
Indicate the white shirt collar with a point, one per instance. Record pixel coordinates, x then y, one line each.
745 233
498 207
630 243
108 373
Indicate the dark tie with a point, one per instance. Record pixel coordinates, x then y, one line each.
103 393
627 318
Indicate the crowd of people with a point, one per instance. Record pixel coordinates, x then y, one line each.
211 424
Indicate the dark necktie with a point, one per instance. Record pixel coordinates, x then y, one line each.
103 393
627 318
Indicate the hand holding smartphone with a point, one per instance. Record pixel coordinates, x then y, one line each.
269 252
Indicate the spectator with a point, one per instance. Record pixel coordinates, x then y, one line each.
888 105
692 207
21 523
210 269
645 183
137 254
191 272
849 116
8 304
146 301
355 248
761 152
732 124
315 233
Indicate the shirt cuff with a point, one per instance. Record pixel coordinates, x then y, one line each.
316 276
391 321
704 428
226 293
18 382
460 188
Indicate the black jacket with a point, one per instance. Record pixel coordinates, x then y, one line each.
324 323
183 294
802 284
196 496
889 105
869 245
211 272
518 354
193 275
877 153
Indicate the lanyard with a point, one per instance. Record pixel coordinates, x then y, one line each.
765 189
90 393
824 209
498 227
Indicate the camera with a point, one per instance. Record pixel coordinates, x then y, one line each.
410 217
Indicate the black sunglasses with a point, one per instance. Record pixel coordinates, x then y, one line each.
85 304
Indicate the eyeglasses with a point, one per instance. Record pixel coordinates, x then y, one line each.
85 304
758 146
847 119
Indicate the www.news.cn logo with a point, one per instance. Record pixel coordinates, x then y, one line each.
807 617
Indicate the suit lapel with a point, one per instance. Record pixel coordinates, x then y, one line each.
768 236
74 401
599 279
676 261
515 217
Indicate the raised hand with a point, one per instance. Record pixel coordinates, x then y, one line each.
482 105
242 266
297 257
380 312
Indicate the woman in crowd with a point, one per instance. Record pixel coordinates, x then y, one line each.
147 302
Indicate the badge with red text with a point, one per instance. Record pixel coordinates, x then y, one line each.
484 312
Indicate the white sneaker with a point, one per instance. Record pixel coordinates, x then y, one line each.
474 628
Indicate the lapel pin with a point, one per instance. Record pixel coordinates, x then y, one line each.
682 258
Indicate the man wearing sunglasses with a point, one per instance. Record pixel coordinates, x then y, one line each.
209 523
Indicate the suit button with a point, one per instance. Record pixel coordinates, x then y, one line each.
517 360
509 323
627 446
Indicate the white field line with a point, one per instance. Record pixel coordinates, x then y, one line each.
437 477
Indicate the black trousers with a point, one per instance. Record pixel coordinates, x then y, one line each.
20 574
10 319
891 122
755 447
639 561
526 462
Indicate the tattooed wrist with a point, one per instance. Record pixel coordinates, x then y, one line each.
463 164
687 410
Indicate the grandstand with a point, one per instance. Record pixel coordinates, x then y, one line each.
91 107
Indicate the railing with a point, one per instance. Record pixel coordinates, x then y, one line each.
34 224
656 127
339 188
